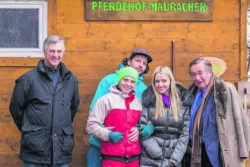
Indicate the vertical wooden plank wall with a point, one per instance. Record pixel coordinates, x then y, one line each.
94 49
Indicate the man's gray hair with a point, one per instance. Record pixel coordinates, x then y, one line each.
206 62
53 39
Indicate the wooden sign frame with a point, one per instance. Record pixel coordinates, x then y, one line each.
149 10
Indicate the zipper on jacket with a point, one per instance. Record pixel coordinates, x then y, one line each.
166 131
126 141
52 123
54 135
52 129
48 79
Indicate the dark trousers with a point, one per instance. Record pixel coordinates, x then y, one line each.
205 162
186 160
28 164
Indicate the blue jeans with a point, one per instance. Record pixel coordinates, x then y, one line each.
94 157
27 164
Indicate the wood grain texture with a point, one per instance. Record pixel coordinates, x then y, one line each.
243 40
145 30
94 49
10 159
52 7
183 45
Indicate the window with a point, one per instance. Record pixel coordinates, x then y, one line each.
23 28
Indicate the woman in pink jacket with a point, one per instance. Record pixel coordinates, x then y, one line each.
112 119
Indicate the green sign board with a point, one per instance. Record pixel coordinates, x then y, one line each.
175 10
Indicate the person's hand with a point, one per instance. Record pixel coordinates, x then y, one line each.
146 131
133 136
171 164
115 137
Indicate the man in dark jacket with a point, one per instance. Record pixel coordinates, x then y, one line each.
43 106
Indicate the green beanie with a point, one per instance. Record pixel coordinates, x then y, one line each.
127 71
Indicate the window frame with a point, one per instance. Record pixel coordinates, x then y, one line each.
42 7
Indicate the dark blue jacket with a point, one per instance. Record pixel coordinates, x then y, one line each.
210 132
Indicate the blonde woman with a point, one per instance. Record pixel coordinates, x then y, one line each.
164 123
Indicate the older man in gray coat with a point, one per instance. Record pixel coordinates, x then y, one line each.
219 127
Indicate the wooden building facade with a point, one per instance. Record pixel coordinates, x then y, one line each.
95 48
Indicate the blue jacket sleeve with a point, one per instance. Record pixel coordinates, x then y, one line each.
103 88
139 89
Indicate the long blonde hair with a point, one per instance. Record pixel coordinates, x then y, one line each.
172 93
